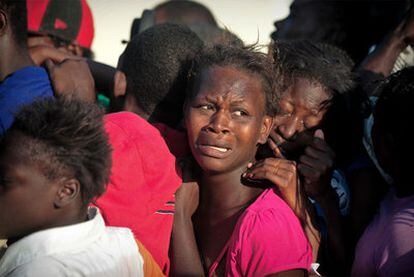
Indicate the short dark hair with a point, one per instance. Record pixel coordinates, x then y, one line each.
67 137
394 108
156 64
212 35
185 12
246 59
326 64
16 11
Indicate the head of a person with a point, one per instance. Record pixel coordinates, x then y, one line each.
13 22
393 117
311 77
212 35
153 72
65 25
54 160
354 27
183 12
230 102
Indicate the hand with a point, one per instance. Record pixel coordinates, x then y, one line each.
316 165
41 53
72 78
187 196
282 173
405 29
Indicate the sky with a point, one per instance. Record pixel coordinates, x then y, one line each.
251 20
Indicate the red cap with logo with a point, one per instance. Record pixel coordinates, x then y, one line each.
68 20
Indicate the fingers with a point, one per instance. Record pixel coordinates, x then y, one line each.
50 65
187 170
308 172
319 147
280 172
274 162
275 137
319 134
41 53
321 163
275 149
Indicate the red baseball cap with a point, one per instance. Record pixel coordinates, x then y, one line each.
68 20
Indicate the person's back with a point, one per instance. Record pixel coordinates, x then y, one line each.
140 193
20 81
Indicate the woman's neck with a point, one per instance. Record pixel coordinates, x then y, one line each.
225 192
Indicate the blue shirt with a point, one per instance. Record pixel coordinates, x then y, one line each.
21 88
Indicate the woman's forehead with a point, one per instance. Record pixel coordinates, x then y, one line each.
305 92
225 81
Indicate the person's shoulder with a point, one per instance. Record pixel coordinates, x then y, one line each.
45 266
269 217
130 129
268 201
128 122
269 238
31 82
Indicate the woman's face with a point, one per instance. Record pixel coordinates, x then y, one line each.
226 119
301 112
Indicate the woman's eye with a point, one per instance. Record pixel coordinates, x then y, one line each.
282 113
206 107
239 113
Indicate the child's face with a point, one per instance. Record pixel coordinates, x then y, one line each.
301 112
226 119
26 195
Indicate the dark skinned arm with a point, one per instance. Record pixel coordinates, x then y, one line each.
185 258
103 74
184 254
335 227
382 60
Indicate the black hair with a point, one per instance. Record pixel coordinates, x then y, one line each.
16 11
394 111
355 26
243 58
212 35
332 68
326 64
156 64
185 12
66 137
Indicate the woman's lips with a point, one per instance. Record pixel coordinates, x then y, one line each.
214 151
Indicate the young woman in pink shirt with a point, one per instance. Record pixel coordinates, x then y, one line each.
235 224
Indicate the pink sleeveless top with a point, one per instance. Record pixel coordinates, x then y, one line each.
268 238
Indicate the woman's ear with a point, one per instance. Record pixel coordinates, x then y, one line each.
267 125
68 191
120 84
3 22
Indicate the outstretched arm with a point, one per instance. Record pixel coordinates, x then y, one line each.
382 60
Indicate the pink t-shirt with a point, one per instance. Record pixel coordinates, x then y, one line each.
267 238
387 246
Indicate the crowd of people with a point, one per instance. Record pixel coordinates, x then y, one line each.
199 155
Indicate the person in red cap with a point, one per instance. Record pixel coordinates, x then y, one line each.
66 25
